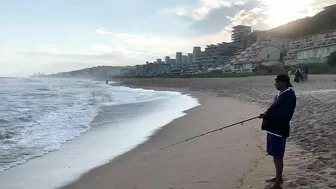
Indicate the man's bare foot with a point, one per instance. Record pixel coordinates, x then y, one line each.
273 180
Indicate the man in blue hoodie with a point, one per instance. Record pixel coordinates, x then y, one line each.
276 121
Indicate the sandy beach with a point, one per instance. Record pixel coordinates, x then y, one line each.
234 158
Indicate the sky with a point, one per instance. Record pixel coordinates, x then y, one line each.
52 36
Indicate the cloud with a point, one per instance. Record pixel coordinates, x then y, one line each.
211 16
255 18
221 18
239 3
198 13
102 31
159 46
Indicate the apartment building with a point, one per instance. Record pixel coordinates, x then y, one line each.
239 35
178 59
196 53
266 51
311 49
190 58
215 55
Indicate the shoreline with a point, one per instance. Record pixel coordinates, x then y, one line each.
310 160
102 142
120 172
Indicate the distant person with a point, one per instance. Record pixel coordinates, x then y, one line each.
297 75
276 121
303 75
306 73
107 81
289 73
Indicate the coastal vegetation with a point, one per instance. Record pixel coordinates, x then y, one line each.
332 59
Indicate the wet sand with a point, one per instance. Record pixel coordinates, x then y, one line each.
234 158
220 160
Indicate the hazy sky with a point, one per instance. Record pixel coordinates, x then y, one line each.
61 35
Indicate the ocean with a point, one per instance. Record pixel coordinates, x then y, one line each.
54 130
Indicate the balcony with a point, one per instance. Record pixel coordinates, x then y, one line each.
330 41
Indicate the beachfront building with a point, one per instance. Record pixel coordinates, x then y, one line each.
250 39
169 61
214 56
196 53
152 69
140 70
311 49
172 62
266 51
159 61
184 60
178 59
190 59
239 32
238 35
167 58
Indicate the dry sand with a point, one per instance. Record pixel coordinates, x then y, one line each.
312 148
234 158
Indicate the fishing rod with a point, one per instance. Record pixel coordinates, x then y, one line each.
201 135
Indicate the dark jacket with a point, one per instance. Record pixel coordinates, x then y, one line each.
280 113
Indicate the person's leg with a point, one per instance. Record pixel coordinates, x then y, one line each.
270 151
276 148
278 162
280 144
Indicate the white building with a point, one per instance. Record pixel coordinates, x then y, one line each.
311 49
266 51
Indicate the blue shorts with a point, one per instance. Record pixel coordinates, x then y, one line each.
276 145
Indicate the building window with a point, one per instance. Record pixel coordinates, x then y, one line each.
310 53
315 53
320 53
